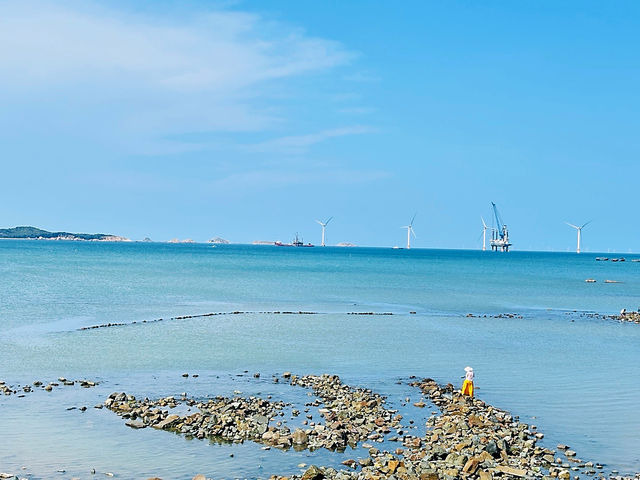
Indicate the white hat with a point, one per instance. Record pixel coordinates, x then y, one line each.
468 369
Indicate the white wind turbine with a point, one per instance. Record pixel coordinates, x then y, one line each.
410 232
324 225
579 229
484 234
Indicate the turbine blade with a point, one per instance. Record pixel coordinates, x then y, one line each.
483 224
414 233
414 217
572 225
327 221
586 224
319 222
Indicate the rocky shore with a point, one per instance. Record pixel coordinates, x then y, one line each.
630 317
464 438
21 390
350 415
468 439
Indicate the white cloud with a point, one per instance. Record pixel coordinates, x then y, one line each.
156 75
44 42
295 144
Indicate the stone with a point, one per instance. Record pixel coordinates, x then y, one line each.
167 422
471 465
516 472
300 437
492 449
199 477
313 473
484 475
135 424
393 465
350 463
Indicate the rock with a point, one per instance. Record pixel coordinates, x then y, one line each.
299 437
429 476
313 473
484 475
260 419
135 424
199 477
570 453
492 449
471 465
516 472
167 422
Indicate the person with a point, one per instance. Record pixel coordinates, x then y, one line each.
467 385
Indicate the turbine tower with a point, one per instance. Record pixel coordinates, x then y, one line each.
579 229
484 234
410 232
324 225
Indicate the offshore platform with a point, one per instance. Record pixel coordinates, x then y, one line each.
499 234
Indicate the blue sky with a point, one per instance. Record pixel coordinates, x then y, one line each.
249 120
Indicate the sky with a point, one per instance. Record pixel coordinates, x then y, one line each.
250 120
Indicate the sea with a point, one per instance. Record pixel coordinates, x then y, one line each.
534 331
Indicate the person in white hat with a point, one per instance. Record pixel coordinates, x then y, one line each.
467 385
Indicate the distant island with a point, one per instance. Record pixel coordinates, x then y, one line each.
219 240
34 233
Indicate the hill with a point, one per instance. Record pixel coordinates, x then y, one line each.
39 234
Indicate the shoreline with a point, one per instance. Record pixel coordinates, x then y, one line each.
467 437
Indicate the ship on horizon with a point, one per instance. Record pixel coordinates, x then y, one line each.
297 242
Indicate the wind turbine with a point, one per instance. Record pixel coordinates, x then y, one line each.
409 232
484 234
579 229
324 225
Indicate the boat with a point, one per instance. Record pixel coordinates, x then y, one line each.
297 242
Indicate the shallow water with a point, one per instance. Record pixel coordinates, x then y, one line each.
570 374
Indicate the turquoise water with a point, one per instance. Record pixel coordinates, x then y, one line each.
570 374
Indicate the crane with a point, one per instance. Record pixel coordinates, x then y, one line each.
500 240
